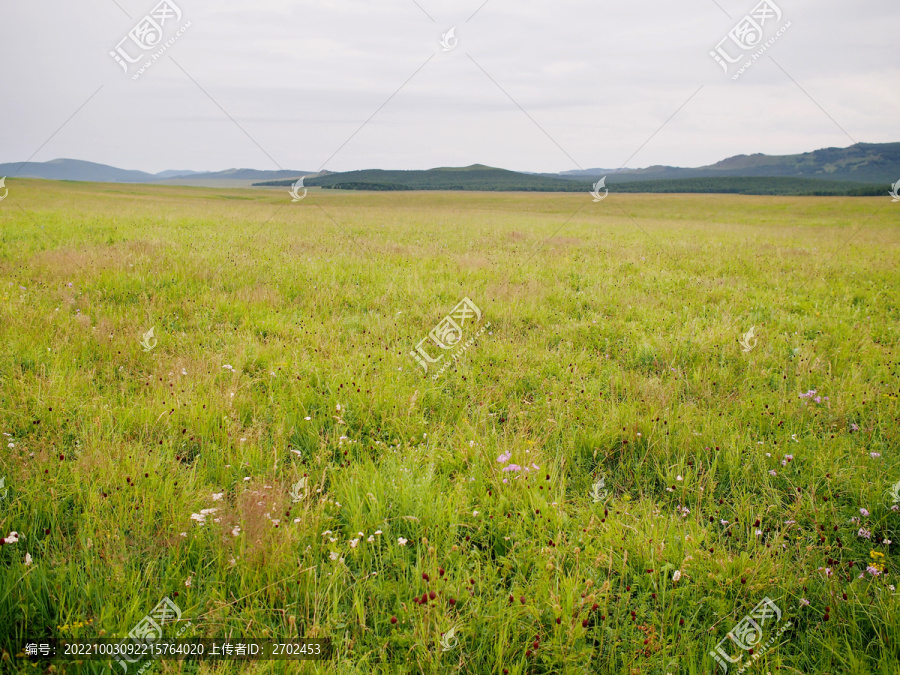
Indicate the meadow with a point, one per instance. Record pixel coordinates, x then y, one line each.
608 480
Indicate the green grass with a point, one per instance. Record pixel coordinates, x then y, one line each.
613 352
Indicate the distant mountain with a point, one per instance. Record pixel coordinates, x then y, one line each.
73 169
474 177
861 163
77 170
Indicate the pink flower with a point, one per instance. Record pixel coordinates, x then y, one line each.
505 457
864 512
864 533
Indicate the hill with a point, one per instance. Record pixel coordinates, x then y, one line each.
861 163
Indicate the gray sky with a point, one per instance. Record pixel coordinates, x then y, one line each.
595 81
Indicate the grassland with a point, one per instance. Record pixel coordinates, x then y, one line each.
613 353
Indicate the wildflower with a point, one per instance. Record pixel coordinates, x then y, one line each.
402 541
354 543
873 570
789 522
371 538
864 512
333 555
804 602
864 533
188 582
27 559
891 588
759 533
475 513
377 531
887 542
679 478
723 522
228 367
789 458
854 427
512 467
828 572
307 418
874 455
11 538
217 496
184 534
505 457
236 530
676 576
772 472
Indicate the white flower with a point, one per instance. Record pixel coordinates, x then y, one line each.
326 532
678 478
874 454
11 538
402 541
676 576
354 543
759 533
217 496
377 531
333 555
474 513
307 418
723 522
332 539
236 530
199 517
28 559
886 542
184 534
246 478
183 371
371 538
188 582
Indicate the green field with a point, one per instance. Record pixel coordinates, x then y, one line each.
613 353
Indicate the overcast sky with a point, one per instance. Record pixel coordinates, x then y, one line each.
528 85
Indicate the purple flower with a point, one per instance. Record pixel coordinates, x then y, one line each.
864 512
863 532
505 457
818 399
874 455
854 427
512 467
874 571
